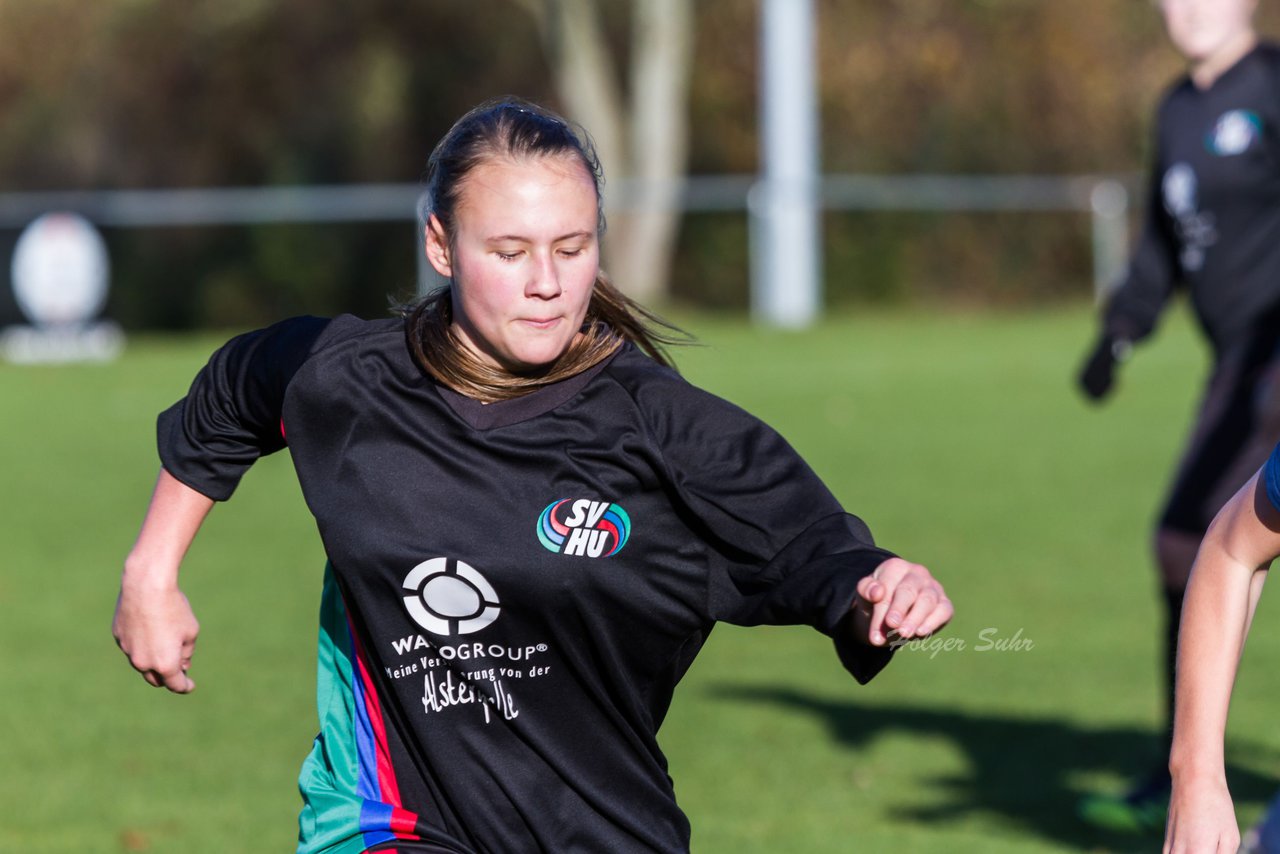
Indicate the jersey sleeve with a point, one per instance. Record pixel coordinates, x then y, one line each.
231 416
783 550
1271 477
1135 306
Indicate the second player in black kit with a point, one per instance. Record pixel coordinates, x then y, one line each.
1213 212
1212 228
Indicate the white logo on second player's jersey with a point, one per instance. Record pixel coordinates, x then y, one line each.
1234 132
1195 228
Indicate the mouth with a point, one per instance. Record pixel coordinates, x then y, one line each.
540 322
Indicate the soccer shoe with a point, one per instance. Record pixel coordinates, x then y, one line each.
1142 809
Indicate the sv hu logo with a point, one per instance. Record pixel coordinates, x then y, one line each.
583 527
448 597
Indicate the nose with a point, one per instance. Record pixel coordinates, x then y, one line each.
544 281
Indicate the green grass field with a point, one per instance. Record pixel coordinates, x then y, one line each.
958 437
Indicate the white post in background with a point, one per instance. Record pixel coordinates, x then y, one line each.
1109 205
786 269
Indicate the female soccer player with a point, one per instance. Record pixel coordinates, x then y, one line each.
1213 225
1222 594
532 523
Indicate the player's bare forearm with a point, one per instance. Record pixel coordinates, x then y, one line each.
174 515
1222 593
1214 614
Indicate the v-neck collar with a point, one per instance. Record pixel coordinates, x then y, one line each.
1231 70
503 413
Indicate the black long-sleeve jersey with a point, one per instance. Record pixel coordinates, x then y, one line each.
1213 212
514 589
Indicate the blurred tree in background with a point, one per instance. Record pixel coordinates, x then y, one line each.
151 94
146 94
642 137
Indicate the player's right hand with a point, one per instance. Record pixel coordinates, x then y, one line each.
156 630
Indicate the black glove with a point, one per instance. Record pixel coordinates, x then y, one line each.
1098 373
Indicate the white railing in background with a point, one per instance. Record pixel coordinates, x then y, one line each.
1105 199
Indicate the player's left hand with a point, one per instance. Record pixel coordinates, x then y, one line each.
902 599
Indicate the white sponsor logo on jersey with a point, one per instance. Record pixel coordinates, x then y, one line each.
448 597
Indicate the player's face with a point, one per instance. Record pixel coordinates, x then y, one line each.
523 259
1203 29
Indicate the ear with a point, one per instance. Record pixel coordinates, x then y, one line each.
437 247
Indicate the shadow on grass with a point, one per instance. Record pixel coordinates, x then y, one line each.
1022 770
